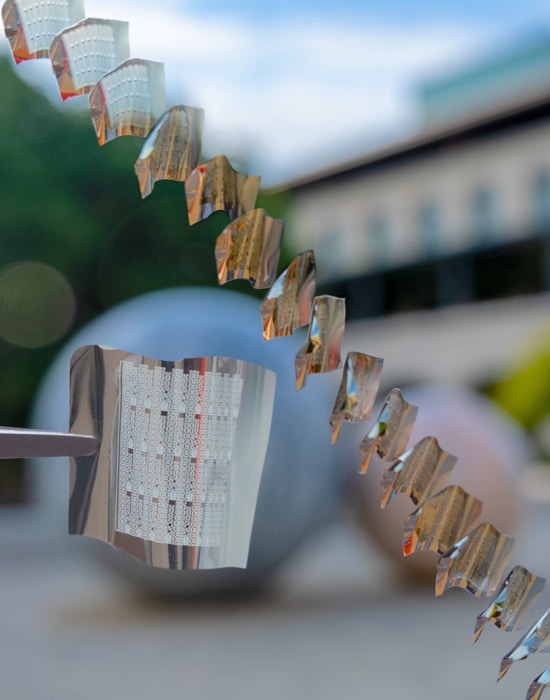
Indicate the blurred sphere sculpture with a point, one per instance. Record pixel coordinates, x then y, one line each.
304 477
490 448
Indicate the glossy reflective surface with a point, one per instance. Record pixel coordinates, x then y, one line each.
171 453
172 149
249 248
419 472
390 434
441 521
475 563
83 53
535 641
26 443
508 610
538 685
128 100
288 303
216 186
321 351
31 25
357 392
175 479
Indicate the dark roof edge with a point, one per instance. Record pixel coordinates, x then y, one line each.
511 114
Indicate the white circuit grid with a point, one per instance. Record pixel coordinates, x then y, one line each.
127 94
176 434
42 20
91 51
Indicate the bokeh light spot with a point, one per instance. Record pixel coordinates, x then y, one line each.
37 304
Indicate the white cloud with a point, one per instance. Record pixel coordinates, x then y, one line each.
286 92
296 90
169 34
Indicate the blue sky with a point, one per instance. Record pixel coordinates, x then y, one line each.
291 85
393 10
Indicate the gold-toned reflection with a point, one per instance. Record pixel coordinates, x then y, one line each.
419 472
321 351
175 478
83 53
534 641
31 25
128 100
216 186
357 392
508 610
287 305
441 521
249 248
172 149
476 563
390 434
37 304
538 685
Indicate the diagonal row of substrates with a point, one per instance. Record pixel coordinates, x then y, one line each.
127 97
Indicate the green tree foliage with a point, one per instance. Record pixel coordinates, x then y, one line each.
67 202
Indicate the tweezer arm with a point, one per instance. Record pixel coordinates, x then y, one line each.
23 443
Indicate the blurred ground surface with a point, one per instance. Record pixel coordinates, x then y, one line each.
339 623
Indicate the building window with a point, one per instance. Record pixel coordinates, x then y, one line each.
429 228
485 215
378 240
541 200
332 253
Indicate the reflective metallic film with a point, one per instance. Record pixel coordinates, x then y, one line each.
390 434
172 149
419 472
535 641
31 25
538 685
357 392
441 521
128 100
83 53
249 248
321 351
182 444
475 563
508 610
216 186
287 305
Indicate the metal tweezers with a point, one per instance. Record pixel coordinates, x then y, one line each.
21 443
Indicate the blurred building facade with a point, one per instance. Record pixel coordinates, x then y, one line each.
459 213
